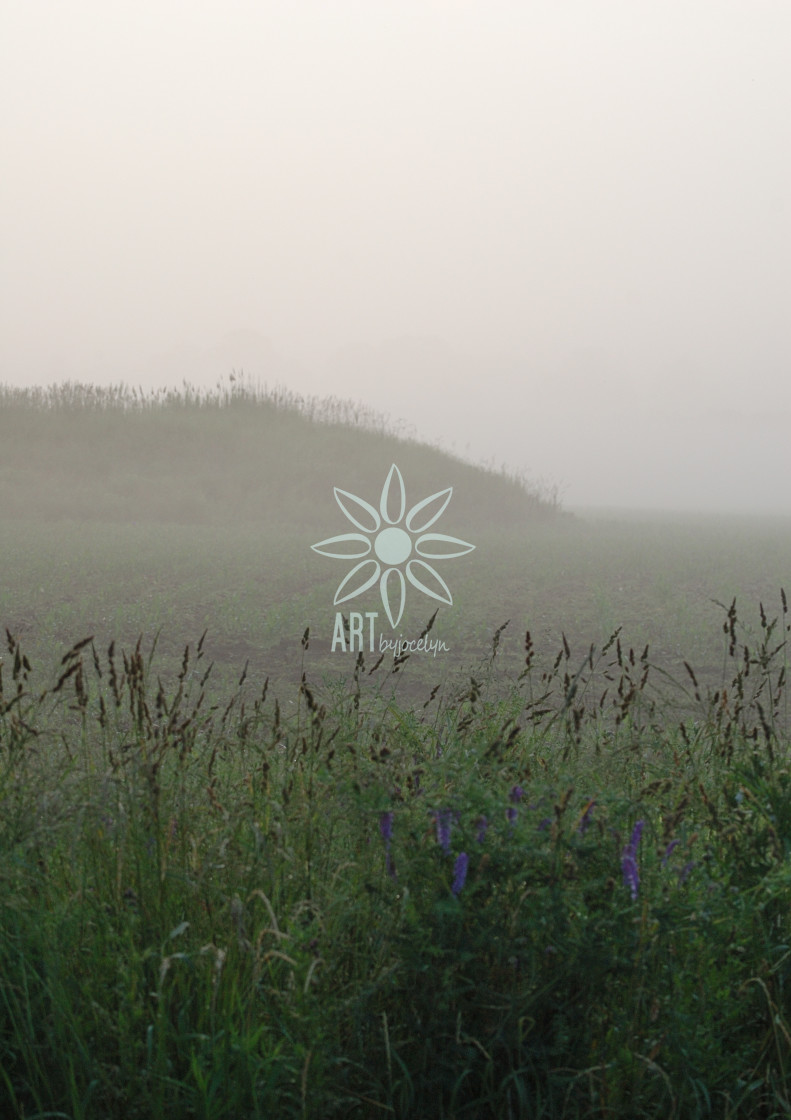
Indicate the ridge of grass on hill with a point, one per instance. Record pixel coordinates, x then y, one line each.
235 453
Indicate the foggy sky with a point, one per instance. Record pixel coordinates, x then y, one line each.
550 234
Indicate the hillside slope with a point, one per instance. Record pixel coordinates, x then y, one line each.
238 454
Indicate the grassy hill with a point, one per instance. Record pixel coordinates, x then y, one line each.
237 454
174 512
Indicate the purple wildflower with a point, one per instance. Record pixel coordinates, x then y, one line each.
443 821
668 852
386 829
544 824
629 870
459 873
631 876
511 815
685 870
516 794
482 824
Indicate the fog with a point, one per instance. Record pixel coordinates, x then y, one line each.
550 235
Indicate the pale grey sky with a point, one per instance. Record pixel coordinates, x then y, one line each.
552 233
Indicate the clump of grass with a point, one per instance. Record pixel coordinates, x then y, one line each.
551 896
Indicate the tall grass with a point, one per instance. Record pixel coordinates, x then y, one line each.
551 896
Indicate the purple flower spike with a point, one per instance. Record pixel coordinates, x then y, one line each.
669 851
629 870
511 815
459 873
631 876
443 820
482 824
685 870
386 827
516 794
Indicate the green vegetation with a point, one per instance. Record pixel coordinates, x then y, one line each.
542 901
545 875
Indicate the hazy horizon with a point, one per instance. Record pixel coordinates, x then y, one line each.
555 237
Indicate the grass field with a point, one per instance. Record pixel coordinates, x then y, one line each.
659 579
525 878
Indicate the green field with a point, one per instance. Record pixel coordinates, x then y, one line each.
664 581
242 875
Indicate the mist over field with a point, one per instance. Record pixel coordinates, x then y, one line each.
551 236
395 546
